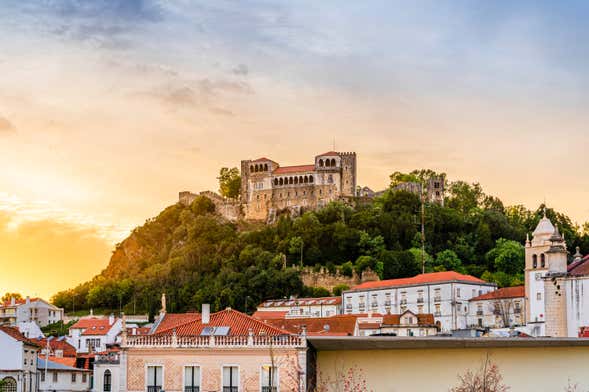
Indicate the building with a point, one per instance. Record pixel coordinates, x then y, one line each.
502 308
30 329
43 313
18 361
107 371
58 350
93 334
226 350
433 364
434 191
406 324
302 307
268 188
445 294
57 377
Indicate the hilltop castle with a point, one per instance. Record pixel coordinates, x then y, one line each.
268 188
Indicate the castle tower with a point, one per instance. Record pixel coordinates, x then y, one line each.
436 189
348 165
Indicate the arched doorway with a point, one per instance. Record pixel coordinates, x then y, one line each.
8 385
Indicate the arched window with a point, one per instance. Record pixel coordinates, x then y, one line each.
276 181
265 167
290 180
321 163
306 180
311 179
256 169
251 168
107 381
535 261
333 163
296 180
281 181
542 260
9 384
327 163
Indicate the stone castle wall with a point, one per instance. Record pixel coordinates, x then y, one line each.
229 209
326 280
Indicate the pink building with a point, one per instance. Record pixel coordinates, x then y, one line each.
226 351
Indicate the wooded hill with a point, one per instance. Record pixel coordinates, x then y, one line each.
196 257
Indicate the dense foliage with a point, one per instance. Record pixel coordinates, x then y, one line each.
196 257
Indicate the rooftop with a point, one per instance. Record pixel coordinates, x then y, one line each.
15 334
433 277
294 169
504 293
94 325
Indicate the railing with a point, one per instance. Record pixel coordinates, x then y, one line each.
107 359
438 314
419 300
403 302
191 389
438 298
517 310
154 388
148 341
374 304
387 303
229 389
479 312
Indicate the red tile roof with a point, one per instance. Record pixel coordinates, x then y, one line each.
329 153
340 325
19 301
15 334
262 159
56 344
270 314
506 292
422 319
93 326
190 324
580 267
300 302
67 361
433 277
294 169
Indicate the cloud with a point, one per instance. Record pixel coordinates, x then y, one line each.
6 127
241 69
46 256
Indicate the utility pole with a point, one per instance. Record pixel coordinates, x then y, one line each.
422 230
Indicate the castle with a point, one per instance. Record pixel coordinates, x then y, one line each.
268 188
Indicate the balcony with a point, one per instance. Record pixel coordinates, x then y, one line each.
479 312
438 298
387 303
438 314
374 305
230 389
191 389
420 300
252 341
517 310
154 388
403 301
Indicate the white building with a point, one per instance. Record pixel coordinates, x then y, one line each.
56 377
107 372
503 308
15 311
302 307
18 361
31 330
93 334
445 294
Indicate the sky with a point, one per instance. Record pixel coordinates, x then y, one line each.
109 108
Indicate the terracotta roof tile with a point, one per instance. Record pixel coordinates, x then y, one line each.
340 325
329 153
57 344
580 267
67 361
433 277
15 334
93 326
294 169
190 324
506 292
270 314
19 302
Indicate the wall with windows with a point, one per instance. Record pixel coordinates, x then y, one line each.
448 302
493 313
174 369
64 380
106 377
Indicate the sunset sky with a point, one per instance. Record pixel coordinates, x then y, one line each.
109 108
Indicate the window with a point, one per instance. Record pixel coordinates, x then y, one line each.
458 292
42 376
9 384
269 379
230 379
539 296
191 379
154 378
54 376
534 261
107 381
73 377
330 179
438 311
542 260
84 377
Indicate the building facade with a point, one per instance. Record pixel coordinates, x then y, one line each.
444 294
302 307
57 377
93 334
268 189
43 313
18 361
502 308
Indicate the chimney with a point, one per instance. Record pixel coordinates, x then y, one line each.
206 313
12 301
111 319
28 300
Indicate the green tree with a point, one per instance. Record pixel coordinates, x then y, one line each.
347 269
229 182
507 256
295 247
447 260
8 296
339 289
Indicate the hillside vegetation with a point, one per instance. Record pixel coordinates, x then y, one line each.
196 257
